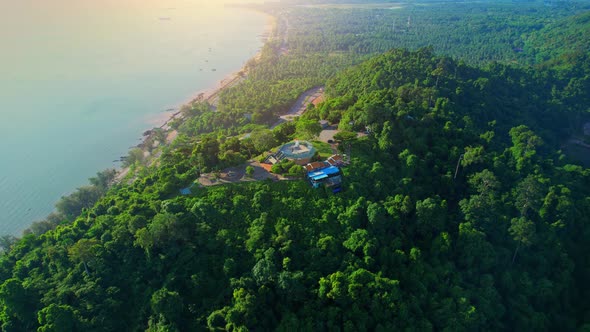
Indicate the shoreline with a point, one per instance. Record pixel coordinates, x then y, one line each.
210 95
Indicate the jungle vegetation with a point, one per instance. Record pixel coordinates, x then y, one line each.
459 211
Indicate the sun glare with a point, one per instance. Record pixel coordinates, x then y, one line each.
217 3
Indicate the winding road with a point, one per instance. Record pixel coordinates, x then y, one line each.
300 105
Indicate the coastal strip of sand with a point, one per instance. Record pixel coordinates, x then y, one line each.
211 95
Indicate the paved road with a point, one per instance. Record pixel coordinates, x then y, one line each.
300 105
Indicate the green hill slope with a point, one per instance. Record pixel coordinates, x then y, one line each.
457 214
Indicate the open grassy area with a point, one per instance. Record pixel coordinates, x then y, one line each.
324 149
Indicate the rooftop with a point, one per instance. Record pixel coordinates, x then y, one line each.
335 160
316 165
323 173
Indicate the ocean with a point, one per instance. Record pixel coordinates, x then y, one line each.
81 80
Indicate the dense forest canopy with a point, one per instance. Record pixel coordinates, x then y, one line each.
475 32
558 39
460 210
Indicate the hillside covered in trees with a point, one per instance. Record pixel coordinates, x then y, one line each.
405 246
459 210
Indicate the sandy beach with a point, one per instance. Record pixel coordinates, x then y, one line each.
101 84
210 95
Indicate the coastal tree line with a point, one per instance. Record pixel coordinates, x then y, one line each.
321 41
459 211
408 244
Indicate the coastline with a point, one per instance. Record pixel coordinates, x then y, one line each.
210 95
106 119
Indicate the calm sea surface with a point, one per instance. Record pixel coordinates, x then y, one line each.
80 80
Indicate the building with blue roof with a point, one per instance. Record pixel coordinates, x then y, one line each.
330 176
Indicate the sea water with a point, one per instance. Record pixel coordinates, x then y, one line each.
81 80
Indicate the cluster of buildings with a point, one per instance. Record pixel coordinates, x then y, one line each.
326 173
319 173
